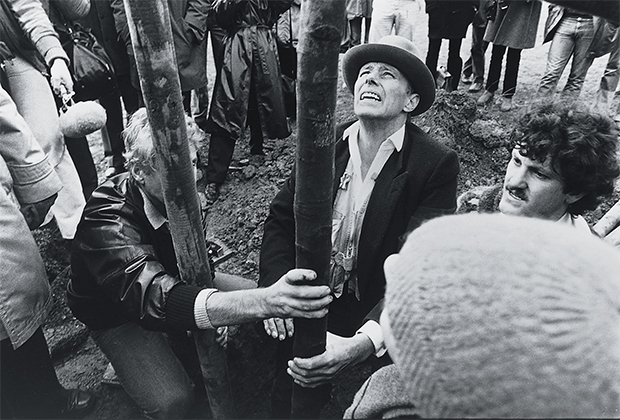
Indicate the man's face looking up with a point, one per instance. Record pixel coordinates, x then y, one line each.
534 189
382 92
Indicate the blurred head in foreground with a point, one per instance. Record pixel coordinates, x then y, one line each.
491 316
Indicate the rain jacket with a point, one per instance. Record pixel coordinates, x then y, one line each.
250 63
25 176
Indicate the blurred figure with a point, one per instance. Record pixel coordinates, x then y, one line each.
34 52
28 187
248 89
473 69
488 316
571 33
512 27
448 20
397 15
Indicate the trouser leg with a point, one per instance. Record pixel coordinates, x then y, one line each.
83 161
30 387
512 72
495 68
455 62
432 56
148 369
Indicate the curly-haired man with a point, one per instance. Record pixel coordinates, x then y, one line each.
564 162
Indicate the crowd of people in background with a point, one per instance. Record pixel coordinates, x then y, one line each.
391 178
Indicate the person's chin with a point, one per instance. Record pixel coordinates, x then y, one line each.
510 207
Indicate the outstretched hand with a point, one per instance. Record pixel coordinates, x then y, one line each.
293 296
340 353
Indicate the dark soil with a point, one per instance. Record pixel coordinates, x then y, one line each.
236 220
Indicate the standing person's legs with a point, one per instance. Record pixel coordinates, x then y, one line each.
30 387
256 126
432 56
83 160
560 51
355 28
582 59
512 72
478 49
455 62
495 69
34 99
148 369
382 20
405 18
367 23
111 134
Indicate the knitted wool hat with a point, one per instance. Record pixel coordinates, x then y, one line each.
500 316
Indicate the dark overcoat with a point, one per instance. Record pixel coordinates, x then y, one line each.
515 24
250 63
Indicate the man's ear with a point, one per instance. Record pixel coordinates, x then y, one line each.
137 174
412 103
573 198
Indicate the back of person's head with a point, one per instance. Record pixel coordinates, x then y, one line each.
139 148
499 316
582 147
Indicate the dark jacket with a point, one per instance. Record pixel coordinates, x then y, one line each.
449 19
416 184
250 62
122 269
515 24
101 20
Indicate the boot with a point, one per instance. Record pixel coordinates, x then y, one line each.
506 104
485 98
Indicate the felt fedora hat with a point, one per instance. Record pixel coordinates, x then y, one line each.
400 53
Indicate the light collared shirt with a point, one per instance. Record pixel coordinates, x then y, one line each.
348 216
157 220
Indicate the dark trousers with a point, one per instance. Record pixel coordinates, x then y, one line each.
222 146
30 387
355 28
455 62
475 63
113 146
217 35
83 160
512 70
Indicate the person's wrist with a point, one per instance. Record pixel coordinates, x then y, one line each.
62 59
364 347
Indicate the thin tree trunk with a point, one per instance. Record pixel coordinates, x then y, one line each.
151 37
321 31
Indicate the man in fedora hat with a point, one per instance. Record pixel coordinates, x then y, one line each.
390 177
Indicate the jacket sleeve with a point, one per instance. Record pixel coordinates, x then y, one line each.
72 9
277 255
33 177
439 195
112 248
196 18
36 25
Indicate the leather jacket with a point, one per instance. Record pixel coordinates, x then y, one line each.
123 269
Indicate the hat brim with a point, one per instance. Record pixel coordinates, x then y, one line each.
418 74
